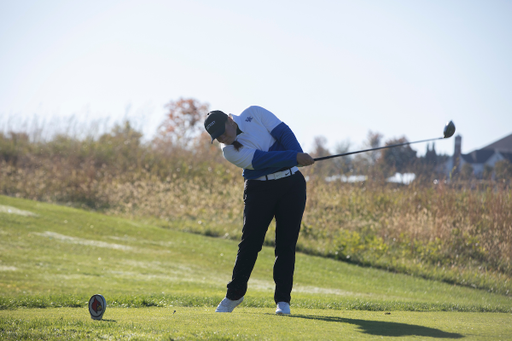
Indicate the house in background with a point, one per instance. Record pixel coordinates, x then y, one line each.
478 159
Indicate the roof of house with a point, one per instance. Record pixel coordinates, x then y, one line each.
478 156
502 145
482 155
507 156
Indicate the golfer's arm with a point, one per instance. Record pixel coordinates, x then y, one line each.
285 136
278 159
255 159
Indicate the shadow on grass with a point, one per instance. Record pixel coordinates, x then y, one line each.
383 328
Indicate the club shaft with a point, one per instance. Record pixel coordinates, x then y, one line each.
372 149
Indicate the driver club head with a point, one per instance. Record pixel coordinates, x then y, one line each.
449 130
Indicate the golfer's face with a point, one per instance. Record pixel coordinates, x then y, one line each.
229 135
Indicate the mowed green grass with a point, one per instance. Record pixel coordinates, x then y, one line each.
185 323
54 258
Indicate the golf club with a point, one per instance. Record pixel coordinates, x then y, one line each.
449 130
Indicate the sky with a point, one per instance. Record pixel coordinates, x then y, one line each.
337 69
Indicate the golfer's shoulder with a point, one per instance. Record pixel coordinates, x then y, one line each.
255 111
230 151
259 115
241 158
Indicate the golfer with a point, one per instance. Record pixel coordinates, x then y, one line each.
269 154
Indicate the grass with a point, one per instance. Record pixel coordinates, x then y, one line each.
250 324
53 258
65 251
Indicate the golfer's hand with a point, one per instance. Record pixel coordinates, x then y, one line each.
304 159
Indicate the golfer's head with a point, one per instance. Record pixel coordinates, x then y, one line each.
215 123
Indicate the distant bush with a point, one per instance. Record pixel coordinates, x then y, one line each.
503 170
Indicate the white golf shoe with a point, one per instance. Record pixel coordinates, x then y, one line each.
227 305
283 308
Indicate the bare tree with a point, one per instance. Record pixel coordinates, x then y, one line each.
364 162
342 164
320 146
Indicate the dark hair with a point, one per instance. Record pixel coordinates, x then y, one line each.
237 145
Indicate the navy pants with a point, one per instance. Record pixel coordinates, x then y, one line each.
284 199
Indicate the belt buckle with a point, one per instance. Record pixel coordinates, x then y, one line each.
282 174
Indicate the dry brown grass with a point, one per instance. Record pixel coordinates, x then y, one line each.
441 223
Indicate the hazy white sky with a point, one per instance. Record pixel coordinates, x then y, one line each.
333 68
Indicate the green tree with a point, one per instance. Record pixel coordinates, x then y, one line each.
503 170
466 171
397 159
13 146
425 167
120 147
431 155
487 173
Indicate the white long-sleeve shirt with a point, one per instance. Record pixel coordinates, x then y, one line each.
269 145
